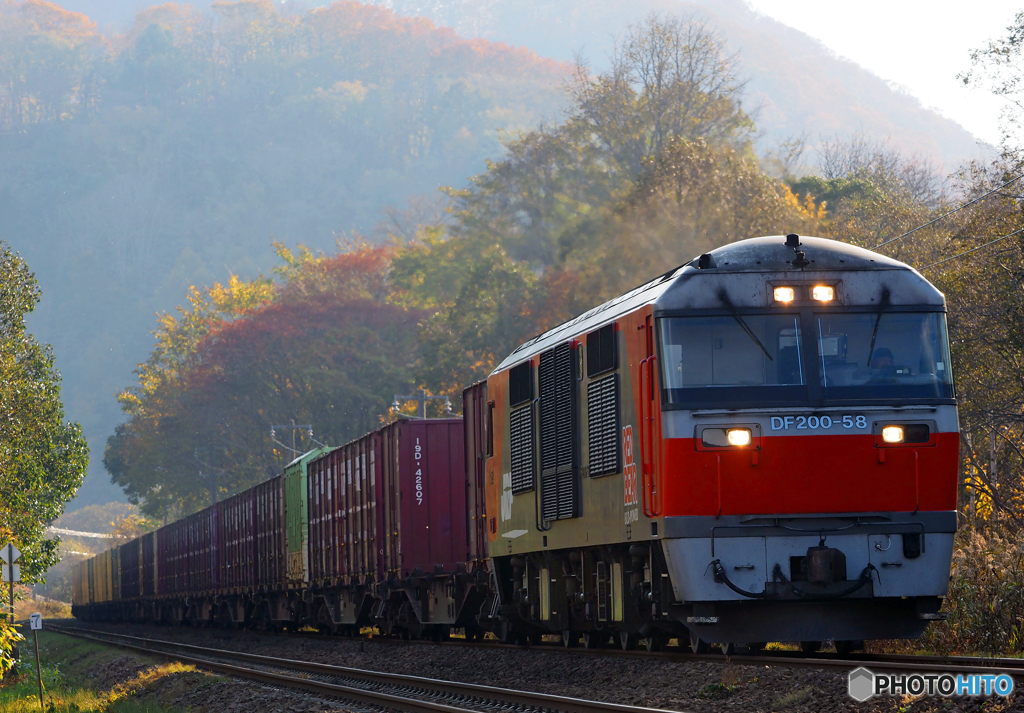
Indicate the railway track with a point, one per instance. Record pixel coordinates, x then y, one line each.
375 688
877 662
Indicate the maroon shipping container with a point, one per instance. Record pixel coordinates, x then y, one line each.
131 568
148 545
270 551
423 496
186 550
476 416
235 556
343 520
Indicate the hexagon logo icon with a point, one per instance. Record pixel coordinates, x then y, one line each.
862 684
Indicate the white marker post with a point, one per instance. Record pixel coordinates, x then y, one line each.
11 573
35 621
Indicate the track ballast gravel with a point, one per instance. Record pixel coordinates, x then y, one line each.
698 687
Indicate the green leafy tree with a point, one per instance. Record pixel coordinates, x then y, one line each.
480 305
693 197
670 79
539 236
42 457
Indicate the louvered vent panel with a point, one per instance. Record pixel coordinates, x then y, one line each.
522 450
549 495
564 386
548 437
603 426
548 427
559 466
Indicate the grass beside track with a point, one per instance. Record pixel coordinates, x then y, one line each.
86 677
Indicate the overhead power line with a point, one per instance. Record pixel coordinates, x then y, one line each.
944 215
968 252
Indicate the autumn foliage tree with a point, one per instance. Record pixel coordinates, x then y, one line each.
319 345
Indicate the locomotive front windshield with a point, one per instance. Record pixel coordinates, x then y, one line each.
763 359
884 355
751 357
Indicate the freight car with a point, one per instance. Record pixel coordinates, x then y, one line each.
760 445
379 532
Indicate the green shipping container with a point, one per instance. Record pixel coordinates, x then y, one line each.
296 513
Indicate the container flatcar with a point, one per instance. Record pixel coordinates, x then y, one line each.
378 532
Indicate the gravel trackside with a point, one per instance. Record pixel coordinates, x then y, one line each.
696 687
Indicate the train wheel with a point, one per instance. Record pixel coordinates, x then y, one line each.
729 649
628 640
534 638
845 648
570 639
698 645
655 642
594 639
506 633
810 647
756 647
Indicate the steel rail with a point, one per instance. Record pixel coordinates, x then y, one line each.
878 662
502 696
924 662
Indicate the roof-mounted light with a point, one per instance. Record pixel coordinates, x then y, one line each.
785 294
823 293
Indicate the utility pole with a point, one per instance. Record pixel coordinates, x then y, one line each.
307 427
993 475
421 398
212 471
973 471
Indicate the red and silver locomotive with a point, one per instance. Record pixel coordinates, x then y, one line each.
761 445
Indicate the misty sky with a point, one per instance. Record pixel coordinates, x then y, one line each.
920 45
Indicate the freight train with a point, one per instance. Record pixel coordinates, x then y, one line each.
760 445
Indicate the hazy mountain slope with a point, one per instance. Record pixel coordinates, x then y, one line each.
132 167
798 84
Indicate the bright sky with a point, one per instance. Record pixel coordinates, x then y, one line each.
918 44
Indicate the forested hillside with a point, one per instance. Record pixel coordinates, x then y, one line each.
797 84
136 165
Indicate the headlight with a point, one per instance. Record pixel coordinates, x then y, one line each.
785 294
738 437
823 293
892 434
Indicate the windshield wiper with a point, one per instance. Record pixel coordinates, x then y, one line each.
722 295
874 332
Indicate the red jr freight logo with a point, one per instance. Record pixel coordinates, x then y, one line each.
629 470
